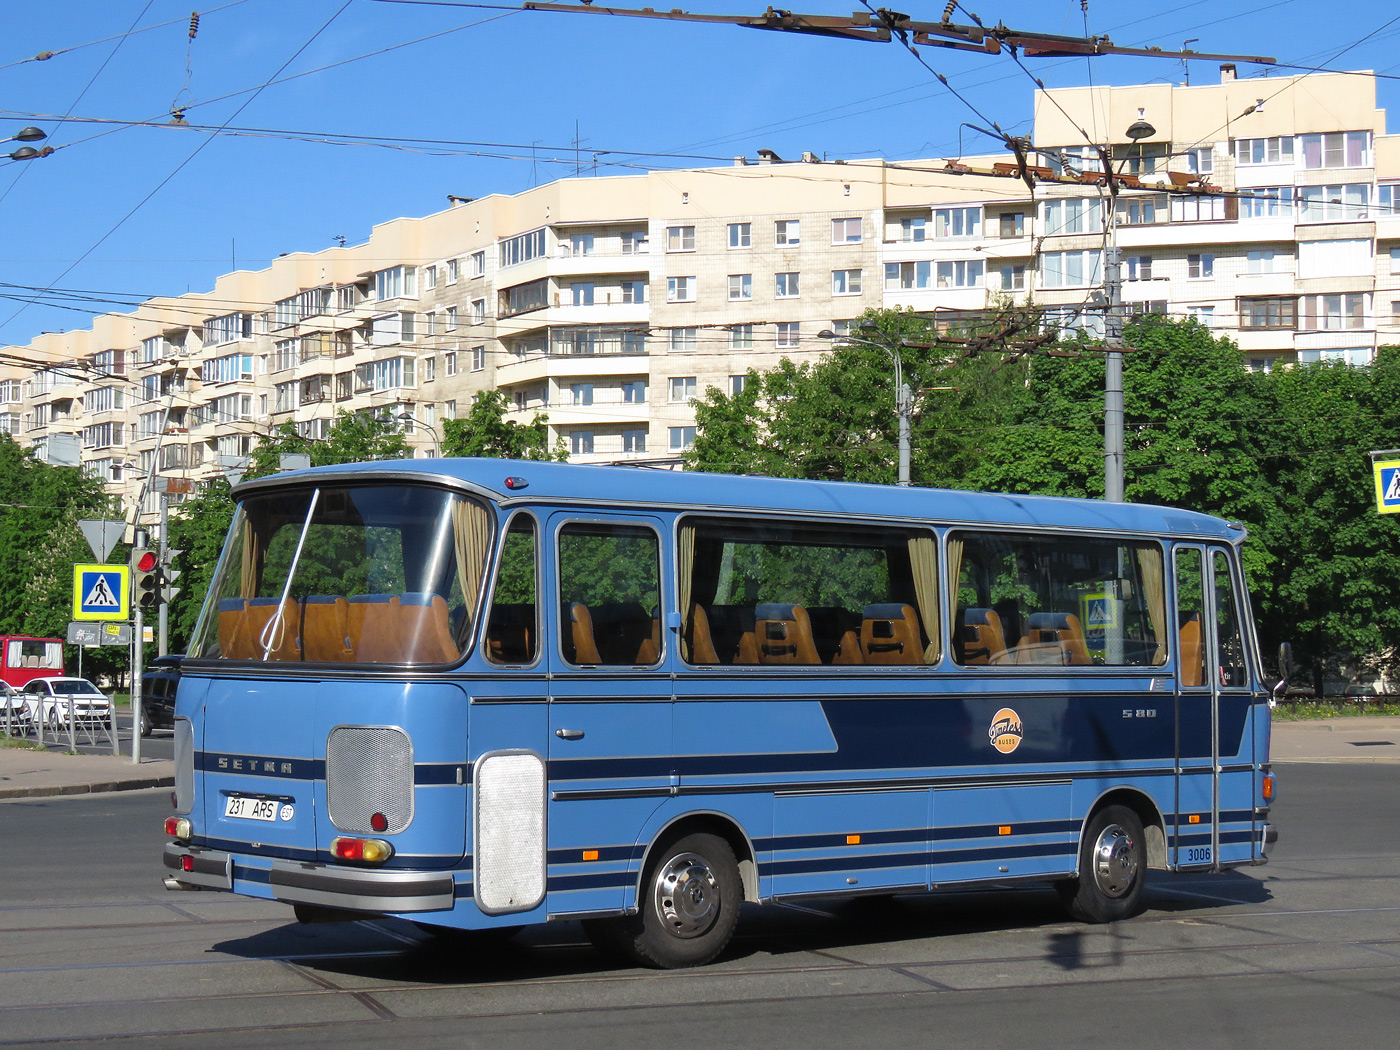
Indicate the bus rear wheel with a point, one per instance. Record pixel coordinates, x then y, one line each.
689 907
1112 866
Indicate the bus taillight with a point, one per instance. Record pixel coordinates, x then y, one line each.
362 851
178 827
1268 789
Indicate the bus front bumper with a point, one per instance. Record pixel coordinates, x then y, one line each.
352 889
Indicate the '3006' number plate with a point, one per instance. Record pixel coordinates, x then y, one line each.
250 808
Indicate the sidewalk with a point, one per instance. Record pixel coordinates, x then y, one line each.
33 774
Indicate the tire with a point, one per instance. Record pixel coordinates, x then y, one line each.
1112 868
145 721
688 909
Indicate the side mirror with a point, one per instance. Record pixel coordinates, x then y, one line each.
1285 659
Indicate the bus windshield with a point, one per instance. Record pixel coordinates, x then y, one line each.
368 574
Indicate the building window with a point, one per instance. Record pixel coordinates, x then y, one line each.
478 311
680 289
960 274
1333 313
634 291
1200 161
1069 269
1068 321
634 441
407 329
1348 258
449 363
1074 215
1013 278
1395 260
845 231
449 319
741 235
1356 356
429 369
582 393
740 286
741 337
478 358
787 233
683 339
682 388
583 293
1263 151
430 324
1274 312
1337 149
1011 224
680 238
1202 315
1202 265
907 276
523 248
580 244
1140 158
737 384
1141 211
957 222
227 329
1266 202
682 438
789 334
452 271
634 242
429 278
580 442
634 392
915 229
1199 209
845 282
478 264
395 282
1333 203
449 410
1259 260
786 286
1388 198
1139 267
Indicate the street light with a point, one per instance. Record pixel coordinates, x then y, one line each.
29 134
1113 330
408 417
903 400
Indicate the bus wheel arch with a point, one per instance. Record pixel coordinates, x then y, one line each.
714 823
1115 850
1154 826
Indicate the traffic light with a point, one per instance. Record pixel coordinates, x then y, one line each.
167 577
145 578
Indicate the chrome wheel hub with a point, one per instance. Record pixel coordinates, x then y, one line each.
1115 861
686 895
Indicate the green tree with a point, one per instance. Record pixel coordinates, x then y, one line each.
354 437
40 542
485 431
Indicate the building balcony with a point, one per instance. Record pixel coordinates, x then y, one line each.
536 367
570 416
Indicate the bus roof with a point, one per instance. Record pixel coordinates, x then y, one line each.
674 490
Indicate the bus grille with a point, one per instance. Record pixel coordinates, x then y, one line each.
368 771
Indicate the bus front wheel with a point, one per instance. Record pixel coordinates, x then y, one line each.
688 909
1112 865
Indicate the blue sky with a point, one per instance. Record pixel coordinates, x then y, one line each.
121 212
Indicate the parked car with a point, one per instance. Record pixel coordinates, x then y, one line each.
57 700
14 713
158 685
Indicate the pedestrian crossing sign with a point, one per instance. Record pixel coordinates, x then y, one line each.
101 592
1387 473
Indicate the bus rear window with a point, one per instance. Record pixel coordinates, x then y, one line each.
375 574
1057 600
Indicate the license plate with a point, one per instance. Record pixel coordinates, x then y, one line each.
250 808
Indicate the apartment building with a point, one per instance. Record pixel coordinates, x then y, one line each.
1264 208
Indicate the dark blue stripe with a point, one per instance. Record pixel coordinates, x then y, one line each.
606 854
1047 849
599 881
849 862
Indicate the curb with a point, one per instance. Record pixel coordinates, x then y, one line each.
99 787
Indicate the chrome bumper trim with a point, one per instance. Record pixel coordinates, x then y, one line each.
358 889
210 869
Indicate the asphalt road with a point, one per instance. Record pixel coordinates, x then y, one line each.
1303 952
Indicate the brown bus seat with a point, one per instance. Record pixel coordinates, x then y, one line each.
889 634
980 636
623 633
732 630
397 629
784 635
576 634
836 632
1190 662
259 631
325 629
510 633
1062 631
700 645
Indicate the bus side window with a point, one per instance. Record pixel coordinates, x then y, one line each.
1190 622
512 632
610 594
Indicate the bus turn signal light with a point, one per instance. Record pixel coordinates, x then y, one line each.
1268 790
178 827
362 851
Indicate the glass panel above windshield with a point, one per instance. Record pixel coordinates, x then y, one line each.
374 574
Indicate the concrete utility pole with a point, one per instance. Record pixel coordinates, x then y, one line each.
903 396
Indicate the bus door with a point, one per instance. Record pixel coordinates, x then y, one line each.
1212 699
610 704
508 723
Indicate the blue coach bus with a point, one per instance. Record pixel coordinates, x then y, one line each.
482 693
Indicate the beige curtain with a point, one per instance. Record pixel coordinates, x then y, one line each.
685 556
251 562
1150 567
923 558
955 560
471 533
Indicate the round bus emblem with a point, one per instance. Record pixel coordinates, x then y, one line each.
1005 732
286 812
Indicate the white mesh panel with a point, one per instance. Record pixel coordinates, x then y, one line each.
369 770
509 864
